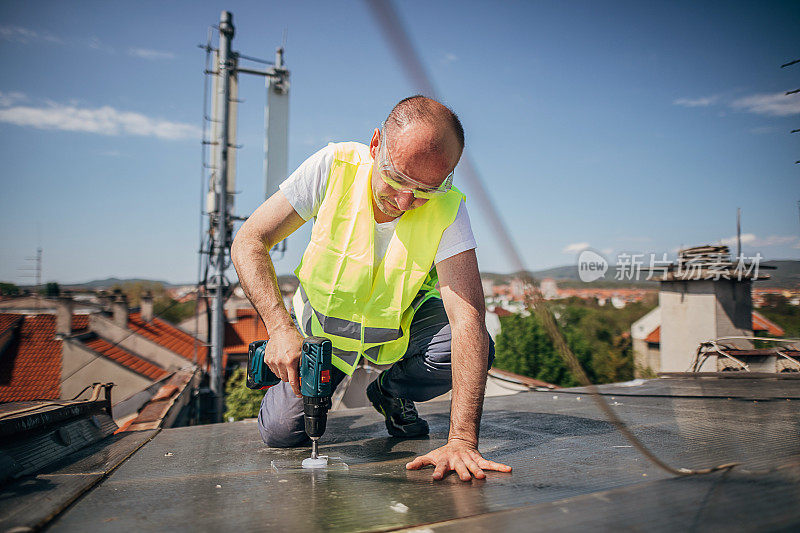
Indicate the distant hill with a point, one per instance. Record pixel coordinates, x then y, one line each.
110 282
786 275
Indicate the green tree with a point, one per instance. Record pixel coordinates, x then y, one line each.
241 402
598 336
524 348
778 309
52 290
172 310
9 289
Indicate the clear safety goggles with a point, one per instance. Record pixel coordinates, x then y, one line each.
399 181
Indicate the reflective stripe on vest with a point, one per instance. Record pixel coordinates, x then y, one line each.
364 307
350 329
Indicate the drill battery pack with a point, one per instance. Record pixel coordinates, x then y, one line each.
259 376
315 367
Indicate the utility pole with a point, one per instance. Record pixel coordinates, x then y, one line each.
738 233
219 253
37 274
219 201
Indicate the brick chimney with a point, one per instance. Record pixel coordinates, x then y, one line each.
120 309
64 307
146 306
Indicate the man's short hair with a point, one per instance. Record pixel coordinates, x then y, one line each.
421 108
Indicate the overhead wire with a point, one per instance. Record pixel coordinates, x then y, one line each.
394 31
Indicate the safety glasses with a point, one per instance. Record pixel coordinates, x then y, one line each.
399 181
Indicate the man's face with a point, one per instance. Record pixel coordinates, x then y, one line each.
418 152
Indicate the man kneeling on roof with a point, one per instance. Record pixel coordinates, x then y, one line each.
389 226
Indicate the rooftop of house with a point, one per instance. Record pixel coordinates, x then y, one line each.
247 328
169 336
30 362
31 354
123 357
572 469
761 325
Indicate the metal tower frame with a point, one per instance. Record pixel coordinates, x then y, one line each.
215 244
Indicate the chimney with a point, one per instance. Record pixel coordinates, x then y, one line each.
146 306
105 299
120 309
64 306
701 298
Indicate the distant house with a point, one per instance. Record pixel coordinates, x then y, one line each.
57 355
646 334
704 297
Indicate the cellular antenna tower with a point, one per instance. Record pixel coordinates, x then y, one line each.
219 175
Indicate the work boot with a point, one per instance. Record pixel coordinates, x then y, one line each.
402 419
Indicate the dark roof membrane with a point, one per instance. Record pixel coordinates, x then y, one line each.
572 469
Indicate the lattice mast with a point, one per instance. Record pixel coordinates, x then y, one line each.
219 194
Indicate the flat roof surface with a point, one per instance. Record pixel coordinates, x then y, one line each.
572 469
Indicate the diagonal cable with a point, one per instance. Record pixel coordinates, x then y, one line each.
400 43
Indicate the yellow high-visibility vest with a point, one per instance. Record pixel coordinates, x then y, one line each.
362 307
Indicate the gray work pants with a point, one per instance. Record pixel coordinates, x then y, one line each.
422 374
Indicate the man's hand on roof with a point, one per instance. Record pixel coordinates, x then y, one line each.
282 355
459 456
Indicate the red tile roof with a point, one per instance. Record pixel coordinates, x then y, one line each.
8 320
247 328
763 324
525 380
501 311
655 336
30 366
80 323
124 358
168 336
152 415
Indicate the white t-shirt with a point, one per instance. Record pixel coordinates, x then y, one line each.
305 189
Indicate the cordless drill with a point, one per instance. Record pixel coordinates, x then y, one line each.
315 381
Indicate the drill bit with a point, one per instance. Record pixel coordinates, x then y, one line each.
314 451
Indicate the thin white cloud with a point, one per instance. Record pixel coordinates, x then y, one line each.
8 99
751 240
762 130
449 57
575 247
97 44
747 238
146 53
113 153
774 104
704 101
778 240
103 121
18 34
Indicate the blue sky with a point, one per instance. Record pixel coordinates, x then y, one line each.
623 126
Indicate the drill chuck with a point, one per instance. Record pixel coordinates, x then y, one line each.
316 384
316 415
